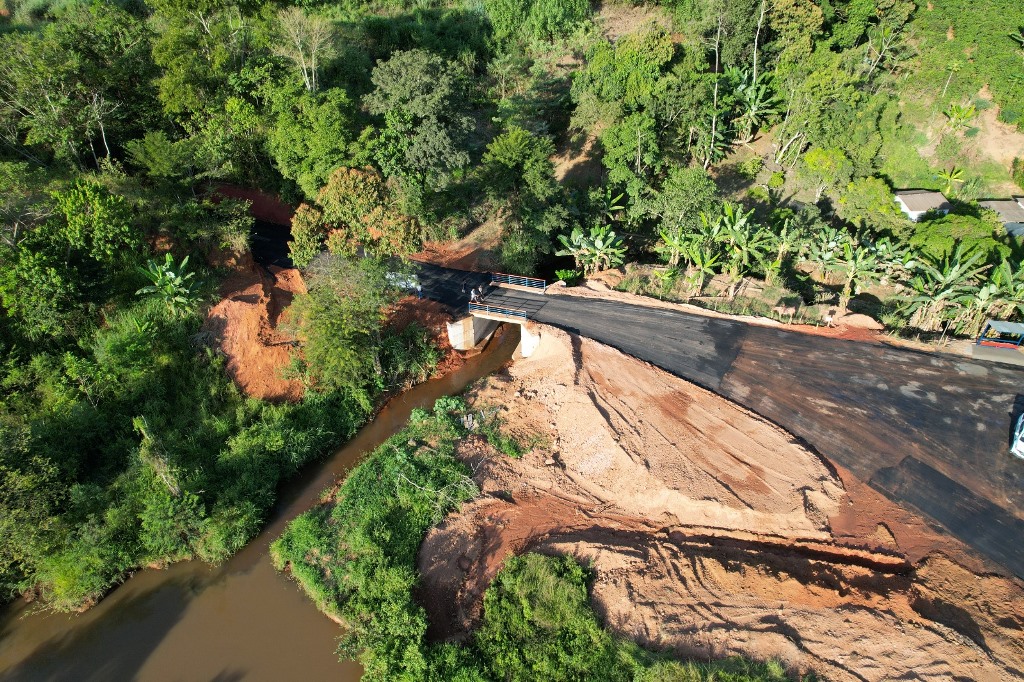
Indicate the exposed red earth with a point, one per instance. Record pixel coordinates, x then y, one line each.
712 531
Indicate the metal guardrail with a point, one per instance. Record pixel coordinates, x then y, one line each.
533 282
495 310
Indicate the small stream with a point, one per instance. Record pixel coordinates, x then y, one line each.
238 621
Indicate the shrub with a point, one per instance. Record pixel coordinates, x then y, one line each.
1018 172
570 277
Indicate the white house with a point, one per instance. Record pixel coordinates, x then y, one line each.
1010 211
916 202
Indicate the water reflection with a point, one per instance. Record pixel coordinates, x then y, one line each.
239 621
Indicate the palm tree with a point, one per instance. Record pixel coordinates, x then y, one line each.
951 176
172 284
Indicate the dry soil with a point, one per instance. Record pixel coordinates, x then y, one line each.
711 531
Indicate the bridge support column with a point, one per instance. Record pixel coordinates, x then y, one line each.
529 339
469 331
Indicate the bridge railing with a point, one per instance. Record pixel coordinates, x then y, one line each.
517 280
497 310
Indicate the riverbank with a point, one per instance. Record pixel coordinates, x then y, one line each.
238 619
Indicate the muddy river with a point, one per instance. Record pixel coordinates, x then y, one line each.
237 621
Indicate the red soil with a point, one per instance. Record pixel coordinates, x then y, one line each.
711 532
264 206
244 325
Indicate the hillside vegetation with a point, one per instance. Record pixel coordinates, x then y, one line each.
736 145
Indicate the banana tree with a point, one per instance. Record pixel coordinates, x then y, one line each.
787 240
957 115
1010 280
672 246
952 176
824 250
757 106
859 268
744 243
941 288
704 261
600 249
171 283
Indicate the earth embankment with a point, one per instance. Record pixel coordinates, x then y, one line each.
711 531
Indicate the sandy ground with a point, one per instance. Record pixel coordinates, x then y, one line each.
244 326
711 531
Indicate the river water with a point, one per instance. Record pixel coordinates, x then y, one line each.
238 621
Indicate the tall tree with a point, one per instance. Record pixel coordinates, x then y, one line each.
423 100
307 41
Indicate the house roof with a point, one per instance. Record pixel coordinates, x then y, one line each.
1009 210
923 200
1006 327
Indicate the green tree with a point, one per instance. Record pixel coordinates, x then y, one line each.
31 494
311 137
359 210
80 85
423 100
339 323
684 196
517 167
825 169
868 202
631 152
97 222
162 157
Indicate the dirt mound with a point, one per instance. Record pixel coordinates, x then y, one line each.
244 326
710 531
477 251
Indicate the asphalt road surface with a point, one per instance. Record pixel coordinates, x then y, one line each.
930 432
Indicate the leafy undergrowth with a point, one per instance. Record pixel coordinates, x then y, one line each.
356 558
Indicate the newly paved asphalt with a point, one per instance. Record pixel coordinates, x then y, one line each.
929 431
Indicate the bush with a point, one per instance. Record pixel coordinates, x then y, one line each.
570 277
1018 172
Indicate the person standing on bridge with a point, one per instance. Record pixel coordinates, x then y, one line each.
473 296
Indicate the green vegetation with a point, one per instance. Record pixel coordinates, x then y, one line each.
744 153
356 558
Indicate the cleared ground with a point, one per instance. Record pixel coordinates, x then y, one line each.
711 531
929 431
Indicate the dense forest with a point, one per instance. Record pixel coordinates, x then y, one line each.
722 143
